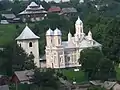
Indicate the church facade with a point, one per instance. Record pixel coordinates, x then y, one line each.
62 54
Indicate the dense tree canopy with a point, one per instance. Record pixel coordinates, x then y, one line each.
95 64
14 58
45 78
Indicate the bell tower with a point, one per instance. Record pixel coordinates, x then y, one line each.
29 42
79 27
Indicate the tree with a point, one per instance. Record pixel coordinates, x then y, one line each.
14 58
29 63
36 28
106 69
45 5
112 41
19 58
18 4
95 64
89 59
45 78
6 60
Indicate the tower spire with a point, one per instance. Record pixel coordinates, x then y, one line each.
90 35
69 36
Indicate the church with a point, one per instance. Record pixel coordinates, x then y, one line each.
62 54
58 53
33 12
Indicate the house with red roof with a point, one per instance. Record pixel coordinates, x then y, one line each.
54 9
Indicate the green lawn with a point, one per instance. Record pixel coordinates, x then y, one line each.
9 32
118 73
71 75
79 76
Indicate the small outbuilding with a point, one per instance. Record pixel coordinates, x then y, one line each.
22 76
69 11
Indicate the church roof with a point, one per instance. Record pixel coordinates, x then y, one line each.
32 12
33 4
24 75
27 34
57 32
69 10
49 32
82 44
36 10
86 44
41 7
68 44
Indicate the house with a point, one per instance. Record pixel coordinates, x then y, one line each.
22 76
68 11
108 85
54 9
8 16
4 87
111 85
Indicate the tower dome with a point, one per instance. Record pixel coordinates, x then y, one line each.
69 36
49 32
79 21
89 35
57 32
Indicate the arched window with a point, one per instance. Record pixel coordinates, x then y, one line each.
20 44
51 40
58 41
31 52
30 44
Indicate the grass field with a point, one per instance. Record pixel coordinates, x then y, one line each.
78 76
118 73
8 33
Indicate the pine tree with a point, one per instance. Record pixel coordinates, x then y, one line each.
29 63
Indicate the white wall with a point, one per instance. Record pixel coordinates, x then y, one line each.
34 49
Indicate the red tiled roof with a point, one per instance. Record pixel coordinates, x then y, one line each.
54 9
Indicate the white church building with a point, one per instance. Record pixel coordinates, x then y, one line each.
62 54
58 53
